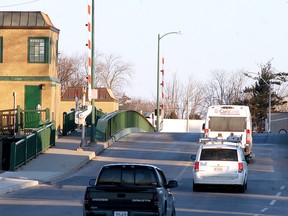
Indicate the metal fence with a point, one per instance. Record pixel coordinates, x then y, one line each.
24 149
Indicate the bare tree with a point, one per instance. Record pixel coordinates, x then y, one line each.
173 96
113 73
138 104
180 97
195 95
71 72
110 72
224 88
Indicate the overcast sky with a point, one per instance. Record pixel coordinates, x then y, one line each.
229 35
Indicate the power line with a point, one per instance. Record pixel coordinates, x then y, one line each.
13 5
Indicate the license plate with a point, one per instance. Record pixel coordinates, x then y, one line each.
218 169
120 213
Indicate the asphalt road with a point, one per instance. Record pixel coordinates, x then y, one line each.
267 192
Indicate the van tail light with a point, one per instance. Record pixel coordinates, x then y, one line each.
196 166
248 136
206 131
240 167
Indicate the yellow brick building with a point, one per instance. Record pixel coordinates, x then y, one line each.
28 66
28 61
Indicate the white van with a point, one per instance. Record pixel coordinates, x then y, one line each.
220 165
227 121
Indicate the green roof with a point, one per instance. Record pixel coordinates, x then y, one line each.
25 19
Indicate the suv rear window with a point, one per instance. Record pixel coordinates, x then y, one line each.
219 154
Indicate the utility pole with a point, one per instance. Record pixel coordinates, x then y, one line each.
93 121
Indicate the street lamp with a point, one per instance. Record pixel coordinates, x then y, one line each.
158 74
269 98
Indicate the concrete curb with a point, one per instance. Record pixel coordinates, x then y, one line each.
10 184
25 178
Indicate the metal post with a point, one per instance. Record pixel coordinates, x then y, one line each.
269 111
158 57
93 124
14 118
187 126
83 138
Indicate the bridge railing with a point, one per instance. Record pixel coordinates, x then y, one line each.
24 149
117 121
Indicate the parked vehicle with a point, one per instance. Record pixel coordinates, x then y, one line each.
230 120
220 165
130 189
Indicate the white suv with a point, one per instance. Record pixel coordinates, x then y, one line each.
220 165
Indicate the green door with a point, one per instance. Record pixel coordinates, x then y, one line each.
32 100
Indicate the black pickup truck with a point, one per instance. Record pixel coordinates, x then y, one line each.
129 190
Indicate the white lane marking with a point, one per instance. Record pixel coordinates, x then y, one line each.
265 209
188 166
272 202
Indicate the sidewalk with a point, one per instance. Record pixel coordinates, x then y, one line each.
57 162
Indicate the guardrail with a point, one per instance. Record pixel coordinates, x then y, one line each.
27 148
111 124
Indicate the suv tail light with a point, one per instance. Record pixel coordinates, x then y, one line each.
240 167
196 166
248 136
206 131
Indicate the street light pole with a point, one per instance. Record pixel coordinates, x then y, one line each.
269 112
158 78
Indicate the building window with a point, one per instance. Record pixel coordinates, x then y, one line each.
1 49
39 50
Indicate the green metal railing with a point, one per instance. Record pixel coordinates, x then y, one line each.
32 145
117 121
14 121
69 120
34 118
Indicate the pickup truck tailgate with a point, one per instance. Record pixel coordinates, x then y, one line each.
136 198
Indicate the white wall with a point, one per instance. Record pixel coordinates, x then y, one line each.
180 125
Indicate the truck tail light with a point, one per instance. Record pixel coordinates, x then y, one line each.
87 196
248 136
156 199
196 166
240 167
